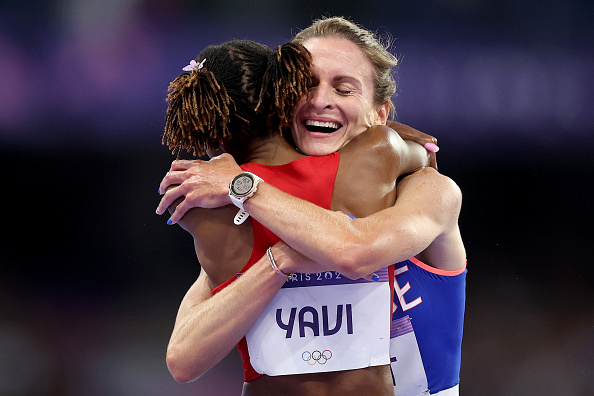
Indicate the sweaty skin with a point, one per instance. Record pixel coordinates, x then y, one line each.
422 222
214 339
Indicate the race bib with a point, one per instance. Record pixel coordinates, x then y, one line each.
323 322
407 365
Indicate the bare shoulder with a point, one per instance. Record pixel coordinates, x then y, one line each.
372 160
430 181
378 139
374 152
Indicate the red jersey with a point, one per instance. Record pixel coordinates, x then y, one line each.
311 179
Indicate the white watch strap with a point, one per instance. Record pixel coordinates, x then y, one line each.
237 202
240 217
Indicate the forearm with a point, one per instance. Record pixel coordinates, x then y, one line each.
353 247
207 329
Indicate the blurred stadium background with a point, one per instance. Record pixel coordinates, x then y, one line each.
90 277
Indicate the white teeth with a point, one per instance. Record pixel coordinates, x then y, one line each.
327 124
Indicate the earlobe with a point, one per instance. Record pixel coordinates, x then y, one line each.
382 113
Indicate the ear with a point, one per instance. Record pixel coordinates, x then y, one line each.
382 113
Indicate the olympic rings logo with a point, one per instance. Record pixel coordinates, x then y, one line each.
317 357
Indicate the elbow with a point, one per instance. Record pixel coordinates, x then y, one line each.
181 371
354 260
355 269
350 270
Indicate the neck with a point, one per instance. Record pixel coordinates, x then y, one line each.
272 151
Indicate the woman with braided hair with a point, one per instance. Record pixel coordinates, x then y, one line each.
238 92
239 97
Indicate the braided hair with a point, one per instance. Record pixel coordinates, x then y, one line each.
239 91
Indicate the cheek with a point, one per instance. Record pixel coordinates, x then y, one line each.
371 117
365 119
370 120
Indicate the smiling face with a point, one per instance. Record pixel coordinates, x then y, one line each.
340 103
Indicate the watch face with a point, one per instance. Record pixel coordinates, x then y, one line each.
242 185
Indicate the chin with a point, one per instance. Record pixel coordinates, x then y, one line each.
318 149
318 144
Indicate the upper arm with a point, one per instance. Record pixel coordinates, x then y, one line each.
222 248
435 197
425 215
435 202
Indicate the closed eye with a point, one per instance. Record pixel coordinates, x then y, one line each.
344 91
344 88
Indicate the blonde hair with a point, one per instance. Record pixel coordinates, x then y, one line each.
374 47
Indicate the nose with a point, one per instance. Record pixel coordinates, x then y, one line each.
320 97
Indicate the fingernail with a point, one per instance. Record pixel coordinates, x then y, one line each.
375 278
431 147
169 222
159 191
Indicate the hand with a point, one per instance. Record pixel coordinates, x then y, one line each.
203 184
425 140
290 261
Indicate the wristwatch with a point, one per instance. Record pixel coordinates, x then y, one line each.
242 187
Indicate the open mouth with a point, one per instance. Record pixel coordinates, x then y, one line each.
321 126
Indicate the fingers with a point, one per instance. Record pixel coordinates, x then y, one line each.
372 277
181 165
173 178
199 183
168 198
223 156
431 147
177 173
433 160
179 212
